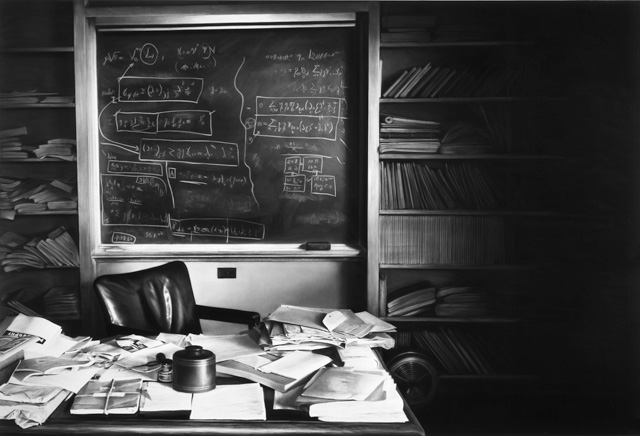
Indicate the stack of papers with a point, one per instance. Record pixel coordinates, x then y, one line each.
303 328
344 394
230 402
115 397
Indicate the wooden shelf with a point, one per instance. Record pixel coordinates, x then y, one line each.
48 212
391 266
437 156
36 160
26 50
467 100
487 377
38 106
400 320
452 44
448 212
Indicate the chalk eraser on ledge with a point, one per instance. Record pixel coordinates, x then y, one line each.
321 245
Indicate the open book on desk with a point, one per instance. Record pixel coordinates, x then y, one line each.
278 373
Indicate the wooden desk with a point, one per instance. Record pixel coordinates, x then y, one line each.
278 422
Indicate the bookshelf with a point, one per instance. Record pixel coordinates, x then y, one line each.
507 201
38 168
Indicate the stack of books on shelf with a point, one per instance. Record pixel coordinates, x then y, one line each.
414 185
60 303
60 148
464 351
57 249
32 196
408 135
58 99
465 302
465 138
411 300
407 28
482 80
444 240
11 146
18 98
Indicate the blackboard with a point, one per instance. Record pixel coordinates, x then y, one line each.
218 136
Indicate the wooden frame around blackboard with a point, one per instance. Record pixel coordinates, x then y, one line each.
167 20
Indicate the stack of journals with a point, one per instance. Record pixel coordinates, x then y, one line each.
411 300
11 146
57 249
23 97
61 148
475 301
408 135
32 195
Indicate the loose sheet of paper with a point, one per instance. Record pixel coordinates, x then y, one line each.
230 402
297 364
160 397
227 347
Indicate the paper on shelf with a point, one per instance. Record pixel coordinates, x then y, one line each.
230 402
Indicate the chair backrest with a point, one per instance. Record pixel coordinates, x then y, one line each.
153 300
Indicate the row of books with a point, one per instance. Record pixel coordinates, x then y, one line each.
33 97
56 249
12 146
450 301
462 351
447 240
484 80
415 185
60 303
408 135
32 196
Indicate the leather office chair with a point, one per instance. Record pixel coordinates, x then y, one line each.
158 299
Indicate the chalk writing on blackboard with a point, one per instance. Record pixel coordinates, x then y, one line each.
228 136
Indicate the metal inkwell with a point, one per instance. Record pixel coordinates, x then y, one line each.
194 370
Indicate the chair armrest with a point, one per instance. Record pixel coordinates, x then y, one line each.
248 318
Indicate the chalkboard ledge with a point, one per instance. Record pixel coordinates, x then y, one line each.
221 253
